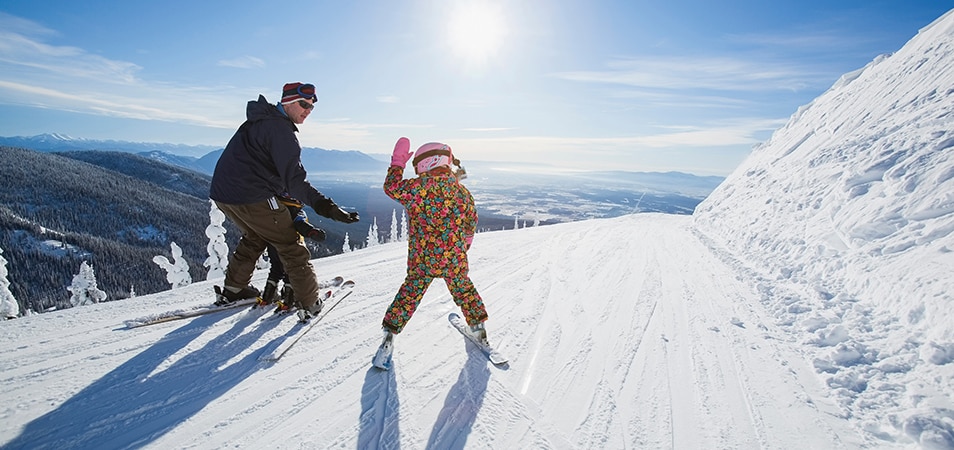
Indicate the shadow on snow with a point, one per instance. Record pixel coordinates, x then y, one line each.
131 406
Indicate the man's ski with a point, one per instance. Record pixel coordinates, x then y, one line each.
187 313
202 310
492 354
343 291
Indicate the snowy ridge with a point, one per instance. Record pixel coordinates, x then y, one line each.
847 218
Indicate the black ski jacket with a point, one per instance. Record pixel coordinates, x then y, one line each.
262 160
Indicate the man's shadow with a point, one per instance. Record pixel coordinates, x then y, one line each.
463 402
379 421
131 406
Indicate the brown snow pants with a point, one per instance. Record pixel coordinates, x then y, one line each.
265 223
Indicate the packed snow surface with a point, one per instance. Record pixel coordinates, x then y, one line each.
625 332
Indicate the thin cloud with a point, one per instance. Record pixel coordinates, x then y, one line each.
388 99
37 74
712 73
489 130
243 62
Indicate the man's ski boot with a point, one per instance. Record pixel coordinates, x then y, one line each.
226 295
306 314
269 295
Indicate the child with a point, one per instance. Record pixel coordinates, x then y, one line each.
442 220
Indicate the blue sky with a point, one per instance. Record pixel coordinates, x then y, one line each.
688 85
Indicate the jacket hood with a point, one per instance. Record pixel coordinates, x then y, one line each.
261 109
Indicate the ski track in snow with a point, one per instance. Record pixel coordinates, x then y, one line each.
625 350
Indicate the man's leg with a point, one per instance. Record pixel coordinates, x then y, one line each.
242 261
274 226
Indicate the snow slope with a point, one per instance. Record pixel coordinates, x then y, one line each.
806 304
846 216
623 332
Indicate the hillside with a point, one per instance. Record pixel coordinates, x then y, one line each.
58 211
845 217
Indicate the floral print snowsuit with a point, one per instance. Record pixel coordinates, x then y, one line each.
441 214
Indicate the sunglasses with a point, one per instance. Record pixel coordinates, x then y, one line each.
305 104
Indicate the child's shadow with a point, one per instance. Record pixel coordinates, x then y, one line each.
379 421
463 402
131 406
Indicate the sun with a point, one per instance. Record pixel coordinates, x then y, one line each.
476 31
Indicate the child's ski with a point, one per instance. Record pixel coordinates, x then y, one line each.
492 354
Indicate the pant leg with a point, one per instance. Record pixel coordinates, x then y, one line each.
262 225
242 261
465 295
277 270
405 302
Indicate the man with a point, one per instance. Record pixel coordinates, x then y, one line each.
260 162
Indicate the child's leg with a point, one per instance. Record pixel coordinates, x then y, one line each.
466 297
405 302
277 270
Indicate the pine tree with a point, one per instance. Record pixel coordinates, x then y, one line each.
218 250
9 309
346 247
177 273
393 235
372 235
84 289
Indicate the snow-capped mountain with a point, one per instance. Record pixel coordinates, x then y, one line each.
56 142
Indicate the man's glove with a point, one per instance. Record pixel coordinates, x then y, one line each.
316 234
402 152
344 216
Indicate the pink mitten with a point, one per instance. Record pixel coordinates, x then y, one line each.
402 152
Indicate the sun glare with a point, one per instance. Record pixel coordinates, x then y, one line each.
476 31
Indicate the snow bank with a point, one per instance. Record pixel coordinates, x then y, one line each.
845 215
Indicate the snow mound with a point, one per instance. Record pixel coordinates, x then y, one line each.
846 215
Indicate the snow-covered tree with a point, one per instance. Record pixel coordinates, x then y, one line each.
346 247
393 235
8 305
84 289
402 234
372 235
516 222
218 250
177 273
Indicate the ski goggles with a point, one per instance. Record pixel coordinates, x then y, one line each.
307 91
